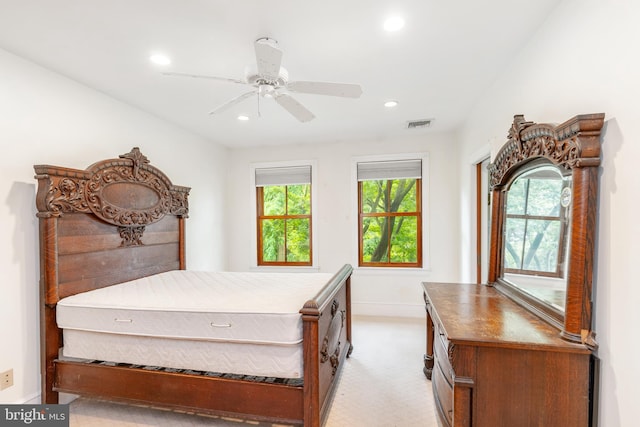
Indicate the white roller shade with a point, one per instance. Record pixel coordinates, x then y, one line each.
283 176
397 169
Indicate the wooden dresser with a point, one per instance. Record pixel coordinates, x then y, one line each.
519 351
493 363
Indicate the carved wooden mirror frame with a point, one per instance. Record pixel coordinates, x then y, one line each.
575 146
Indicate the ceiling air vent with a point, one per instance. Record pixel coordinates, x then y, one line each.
419 124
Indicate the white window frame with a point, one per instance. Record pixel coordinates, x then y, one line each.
314 214
426 252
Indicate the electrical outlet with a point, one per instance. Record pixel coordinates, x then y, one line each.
6 379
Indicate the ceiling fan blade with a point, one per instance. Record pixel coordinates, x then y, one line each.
296 109
200 76
345 90
234 101
268 58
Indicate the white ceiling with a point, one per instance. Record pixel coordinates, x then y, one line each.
446 56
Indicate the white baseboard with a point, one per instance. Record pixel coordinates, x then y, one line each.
32 399
36 399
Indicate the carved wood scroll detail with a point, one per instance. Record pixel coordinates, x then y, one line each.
451 352
566 145
332 338
127 192
66 195
131 236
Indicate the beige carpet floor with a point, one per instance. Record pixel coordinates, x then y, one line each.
382 385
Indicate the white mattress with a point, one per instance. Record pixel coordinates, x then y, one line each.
244 323
224 357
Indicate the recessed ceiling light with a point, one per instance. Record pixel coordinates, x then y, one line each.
243 118
393 23
391 104
160 59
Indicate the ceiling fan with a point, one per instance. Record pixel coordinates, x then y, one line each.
269 79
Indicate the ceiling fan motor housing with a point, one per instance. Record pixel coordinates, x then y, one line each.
253 78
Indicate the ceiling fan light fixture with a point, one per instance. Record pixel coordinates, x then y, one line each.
160 59
267 90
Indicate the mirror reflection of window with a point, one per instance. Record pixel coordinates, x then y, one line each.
535 223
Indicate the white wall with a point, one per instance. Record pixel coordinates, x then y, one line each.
45 118
584 59
395 292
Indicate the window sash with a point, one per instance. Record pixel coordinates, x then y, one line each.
417 214
530 218
261 218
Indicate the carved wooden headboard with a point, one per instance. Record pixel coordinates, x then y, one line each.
118 220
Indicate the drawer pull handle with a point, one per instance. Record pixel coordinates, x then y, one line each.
220 325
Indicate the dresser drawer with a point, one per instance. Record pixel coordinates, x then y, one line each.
441 356
441 352
443 393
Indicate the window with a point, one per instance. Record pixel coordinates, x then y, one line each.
284 215
390 213
535 223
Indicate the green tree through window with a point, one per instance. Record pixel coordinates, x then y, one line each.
284 224
534 225
390 219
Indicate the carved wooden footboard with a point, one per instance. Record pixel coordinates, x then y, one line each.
327 342
121 219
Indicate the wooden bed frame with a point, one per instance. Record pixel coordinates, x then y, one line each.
122 219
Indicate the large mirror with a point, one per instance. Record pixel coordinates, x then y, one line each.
536 220
544 193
